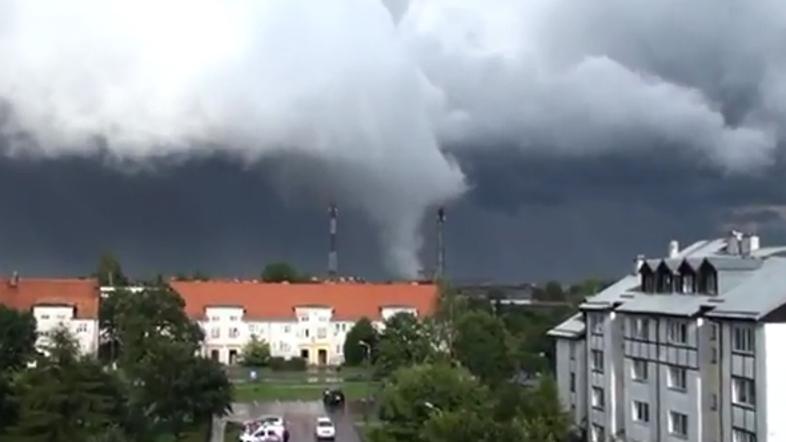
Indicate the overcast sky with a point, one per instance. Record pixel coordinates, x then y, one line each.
563 138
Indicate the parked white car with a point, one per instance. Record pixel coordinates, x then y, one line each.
264 429
325 430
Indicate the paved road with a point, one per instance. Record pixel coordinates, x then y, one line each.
300 416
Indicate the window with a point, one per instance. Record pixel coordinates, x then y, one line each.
640 328
321 333
598 434
233 318
252 328
714 402
214 318
641 411
711 284
597 361
337 328
234 332
303 318
573 382
664 281
677 378
639 370
714 355
738 435
678 424
688 283
343 327
215 332
44 316
323 319
743 391
287 329
572 351
677 331
598 401
305 332
81 328
338 349
596 323
743 339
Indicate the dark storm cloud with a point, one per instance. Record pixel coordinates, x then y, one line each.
586 132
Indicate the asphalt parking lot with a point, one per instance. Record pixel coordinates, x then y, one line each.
300 417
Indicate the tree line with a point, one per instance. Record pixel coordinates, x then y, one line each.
457 376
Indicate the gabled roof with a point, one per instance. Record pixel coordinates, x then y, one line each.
272 301
83 294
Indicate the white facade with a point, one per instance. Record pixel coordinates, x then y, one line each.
311 333
695 353
50 318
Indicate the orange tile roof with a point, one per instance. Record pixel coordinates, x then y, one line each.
350 301
28 292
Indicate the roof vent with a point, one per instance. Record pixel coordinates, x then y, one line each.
733 242
14 281
749 244
637 263
674 248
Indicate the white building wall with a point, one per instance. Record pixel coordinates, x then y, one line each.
775 381
311 331
50 318
571 372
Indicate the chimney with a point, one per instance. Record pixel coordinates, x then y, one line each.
440 271
749 244
733 242
333 252
674 248
637 263
14 281
755 242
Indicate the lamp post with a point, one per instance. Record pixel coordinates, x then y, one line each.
367 348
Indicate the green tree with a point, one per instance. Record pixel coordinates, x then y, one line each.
179 390
17 339
483 346
418 394
139 321
355 352
170 386
280 272
543 418
66 398
405 341
256 353
109 271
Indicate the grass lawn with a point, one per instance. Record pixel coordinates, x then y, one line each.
271 391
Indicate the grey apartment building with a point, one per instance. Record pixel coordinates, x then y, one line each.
687 347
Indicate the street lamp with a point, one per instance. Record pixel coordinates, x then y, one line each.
367 347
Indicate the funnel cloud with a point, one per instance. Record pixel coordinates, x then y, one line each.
388 106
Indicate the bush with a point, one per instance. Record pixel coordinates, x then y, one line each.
292 364
256 353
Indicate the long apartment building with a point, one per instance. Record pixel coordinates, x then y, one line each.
68 303
307 320
687 347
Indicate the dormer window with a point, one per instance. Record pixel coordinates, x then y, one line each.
647 279
687 279
664 279
708 279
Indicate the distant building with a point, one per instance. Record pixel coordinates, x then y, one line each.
307 320
686 347
68 303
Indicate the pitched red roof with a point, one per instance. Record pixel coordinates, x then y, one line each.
350 301
28 292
